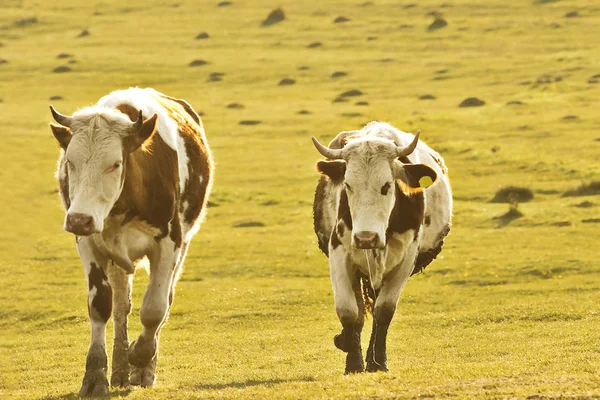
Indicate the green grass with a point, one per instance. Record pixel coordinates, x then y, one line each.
510 309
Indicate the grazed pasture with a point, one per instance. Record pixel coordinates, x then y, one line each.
511 309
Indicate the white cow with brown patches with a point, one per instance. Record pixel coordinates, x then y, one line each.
134 174
382 209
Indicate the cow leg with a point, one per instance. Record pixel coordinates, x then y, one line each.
154 312
386 300
345 298
121 284
95 382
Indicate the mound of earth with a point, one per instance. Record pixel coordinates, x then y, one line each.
248 224
438 23
286 82
472 102
352 93
589 189
274 17
197 63
61 69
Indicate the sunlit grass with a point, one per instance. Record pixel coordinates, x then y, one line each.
507 310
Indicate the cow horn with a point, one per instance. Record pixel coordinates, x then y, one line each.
404 151
137 125
61 119
333 154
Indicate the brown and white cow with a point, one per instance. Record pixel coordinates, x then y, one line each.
382 209
134 174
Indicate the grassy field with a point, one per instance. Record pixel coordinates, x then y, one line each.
510 309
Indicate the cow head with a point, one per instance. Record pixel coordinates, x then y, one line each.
96 143
369 167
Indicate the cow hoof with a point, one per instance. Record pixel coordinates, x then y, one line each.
119 379
354 370
339 340
376 367
140 353
143 377
354 363
94 384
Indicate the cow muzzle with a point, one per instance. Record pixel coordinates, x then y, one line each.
80 224
366 240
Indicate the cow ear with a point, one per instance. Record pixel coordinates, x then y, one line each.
415 177
62 134
142 135
335 169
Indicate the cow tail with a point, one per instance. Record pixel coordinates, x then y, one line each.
367 294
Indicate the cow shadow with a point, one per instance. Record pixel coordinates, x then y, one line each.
251 383
73 396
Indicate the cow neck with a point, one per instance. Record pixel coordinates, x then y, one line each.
151 185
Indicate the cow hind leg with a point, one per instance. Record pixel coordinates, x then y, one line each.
121 284
95 382
154 311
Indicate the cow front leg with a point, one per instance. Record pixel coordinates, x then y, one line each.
95 382
154 312
349 310
386 300
121 285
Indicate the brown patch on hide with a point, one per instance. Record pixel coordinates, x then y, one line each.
130 111
407 213
151 186
199 163
344 210
186 106
318 216
427 256
63 183
102 301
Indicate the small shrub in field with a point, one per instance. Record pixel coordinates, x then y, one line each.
513 194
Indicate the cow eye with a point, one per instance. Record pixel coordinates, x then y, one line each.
385 188
113 167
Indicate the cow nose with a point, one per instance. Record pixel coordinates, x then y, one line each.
80 224
366 240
